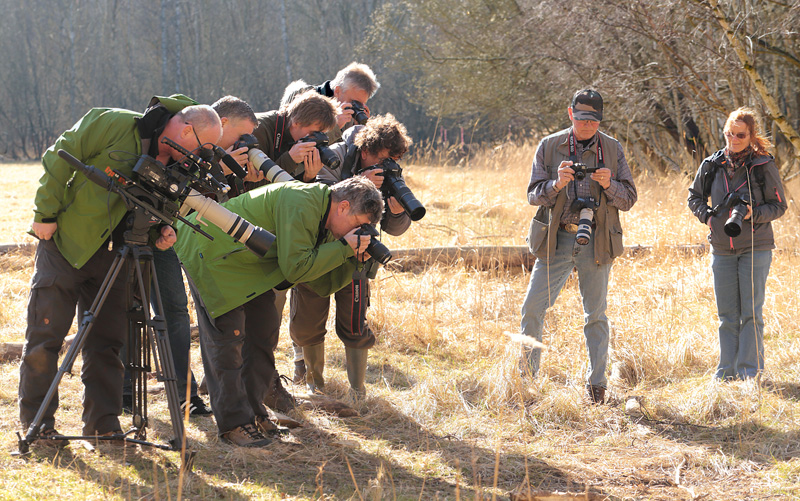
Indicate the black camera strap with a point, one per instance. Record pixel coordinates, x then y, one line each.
573 150
280 132
358 317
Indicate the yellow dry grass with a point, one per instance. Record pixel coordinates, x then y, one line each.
448 415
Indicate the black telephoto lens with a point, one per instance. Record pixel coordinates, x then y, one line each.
733 226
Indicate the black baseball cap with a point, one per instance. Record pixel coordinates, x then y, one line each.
587 104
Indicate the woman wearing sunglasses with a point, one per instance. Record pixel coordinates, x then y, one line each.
740 180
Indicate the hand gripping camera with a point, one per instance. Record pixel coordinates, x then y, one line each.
272 172
376 249
586 208
395 186
359 112
320 140
738 204
581 170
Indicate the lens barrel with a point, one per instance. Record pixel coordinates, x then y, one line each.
584 233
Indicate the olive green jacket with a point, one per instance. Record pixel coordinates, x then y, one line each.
86 213
228 275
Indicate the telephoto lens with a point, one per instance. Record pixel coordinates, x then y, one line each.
584 233
733 226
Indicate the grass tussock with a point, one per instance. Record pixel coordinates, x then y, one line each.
449 413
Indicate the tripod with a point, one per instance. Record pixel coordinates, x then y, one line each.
146 333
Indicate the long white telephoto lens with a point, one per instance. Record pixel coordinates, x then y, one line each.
272 172
584 227
255 238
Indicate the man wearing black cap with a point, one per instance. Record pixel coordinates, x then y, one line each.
580 180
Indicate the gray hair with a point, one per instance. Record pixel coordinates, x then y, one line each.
363 196
293 90
201 116
356 75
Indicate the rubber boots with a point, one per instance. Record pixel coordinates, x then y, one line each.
314 357
356 365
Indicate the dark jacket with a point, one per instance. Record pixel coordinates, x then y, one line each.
759 181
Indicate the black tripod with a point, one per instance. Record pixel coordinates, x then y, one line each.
148 346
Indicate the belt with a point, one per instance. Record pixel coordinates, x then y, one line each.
568 227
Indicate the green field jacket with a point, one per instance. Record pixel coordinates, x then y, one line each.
228 275
86 213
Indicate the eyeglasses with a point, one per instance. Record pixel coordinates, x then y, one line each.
199 143
740 135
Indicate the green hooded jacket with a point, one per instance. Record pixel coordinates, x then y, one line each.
86 213
228 275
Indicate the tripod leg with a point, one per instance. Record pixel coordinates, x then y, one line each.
80 339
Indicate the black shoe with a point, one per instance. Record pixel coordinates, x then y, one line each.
595 395
278 398
268 428
197 407
127 404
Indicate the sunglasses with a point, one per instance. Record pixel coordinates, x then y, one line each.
740 135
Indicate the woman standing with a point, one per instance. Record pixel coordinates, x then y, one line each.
743 170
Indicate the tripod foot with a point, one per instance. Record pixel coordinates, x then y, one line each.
24 446
187 461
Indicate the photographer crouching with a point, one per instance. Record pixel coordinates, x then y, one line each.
580 181
80 226
368 150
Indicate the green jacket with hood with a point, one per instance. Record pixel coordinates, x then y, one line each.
228 275
86 213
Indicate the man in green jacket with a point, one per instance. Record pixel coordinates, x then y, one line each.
79 225
316 243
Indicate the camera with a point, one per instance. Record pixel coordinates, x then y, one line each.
272 172
737 204
581 170
395 186
359 112
320 140
586 208
376 249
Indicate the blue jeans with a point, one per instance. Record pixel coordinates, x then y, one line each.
176 314
739 307
593 283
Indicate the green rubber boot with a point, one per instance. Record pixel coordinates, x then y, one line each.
356 364
314 356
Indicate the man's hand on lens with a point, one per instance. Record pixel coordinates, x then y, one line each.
345 114
359 243
299 151
375 175
565 174
167 238
394 206
44 230
313 164
603 177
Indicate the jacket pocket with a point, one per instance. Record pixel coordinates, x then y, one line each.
615 237
538 231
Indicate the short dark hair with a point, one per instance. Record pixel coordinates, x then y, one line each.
310 108
363 196
383 132
233 108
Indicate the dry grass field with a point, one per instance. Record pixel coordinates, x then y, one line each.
448 415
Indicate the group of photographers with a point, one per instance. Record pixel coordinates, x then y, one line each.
319 174
323 235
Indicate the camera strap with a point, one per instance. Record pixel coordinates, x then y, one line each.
573 150
280 131
360 303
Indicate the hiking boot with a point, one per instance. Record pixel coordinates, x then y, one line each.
278 398
246 435
50 438
268 428
299 372
196 407
595 395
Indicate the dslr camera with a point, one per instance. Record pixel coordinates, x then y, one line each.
272 172
395 186
586 208
320 140
737 204
581 170
359 112
376 249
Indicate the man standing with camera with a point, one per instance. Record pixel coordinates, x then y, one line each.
316 243
575 169
352 87
362 151
80 225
